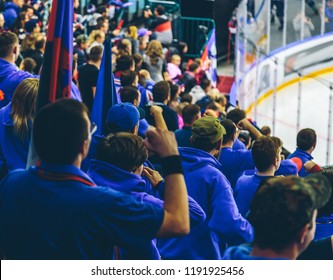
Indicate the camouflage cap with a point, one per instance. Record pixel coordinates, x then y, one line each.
316 186
208 129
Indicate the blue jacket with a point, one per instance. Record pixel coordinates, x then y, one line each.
70 218
304 157
234 163
224 225
324 227
13 150
10 14
10 78
242 252
245 189
183 136
238 145
108 175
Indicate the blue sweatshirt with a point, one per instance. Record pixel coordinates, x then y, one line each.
10 14
324 227
245 189
13 150
108 175
234 163
304 157
224 225
10 78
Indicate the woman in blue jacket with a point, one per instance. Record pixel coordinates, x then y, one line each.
15 126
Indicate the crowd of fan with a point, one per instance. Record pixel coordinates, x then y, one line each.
182 174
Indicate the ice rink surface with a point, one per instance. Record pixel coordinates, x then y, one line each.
314 113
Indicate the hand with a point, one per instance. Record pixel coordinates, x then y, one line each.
115 32
161 142
210 113
153 176
308 165
244 124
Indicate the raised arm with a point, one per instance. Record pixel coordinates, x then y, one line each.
176 212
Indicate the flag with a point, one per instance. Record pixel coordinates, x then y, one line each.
56 73
209 53
106 94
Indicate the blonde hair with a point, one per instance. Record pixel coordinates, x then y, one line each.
93 35
29 42
23 106
154 51
133 32
125 47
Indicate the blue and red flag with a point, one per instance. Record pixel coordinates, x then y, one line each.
209 54
56 73
106 95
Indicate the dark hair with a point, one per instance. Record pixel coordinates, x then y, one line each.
161 91
59 130
96 53
264 152
114 128
29 64
181 47
137 58
230 129
189 113
306 139
124 62
160 10
266 130
81 39
100 21
205 83
236 115
187 98
174 88
127 78
204 145
40 42
101 9
25 7
278 212
8 40
124 150
129 94
194 66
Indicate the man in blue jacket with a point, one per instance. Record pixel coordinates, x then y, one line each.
306 144
10 75
266 154
283 214
209 187
119 166
55 211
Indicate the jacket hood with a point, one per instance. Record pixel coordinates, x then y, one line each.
11 5
193 159
6 68
242 252
5 115
108 175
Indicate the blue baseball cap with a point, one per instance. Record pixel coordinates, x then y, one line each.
125 115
